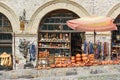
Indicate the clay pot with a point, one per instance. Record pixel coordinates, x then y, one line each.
84 55
116 62
52 65
77 65
39 67
63 59
82 64
78 62
91 59
84 58
72 57
57 62
78 59
62 62
110 62
78 55
103 62
64 65
68 62
91 55
59 65
73 64
73 61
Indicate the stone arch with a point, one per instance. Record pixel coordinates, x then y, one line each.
54 5
115 11
9 13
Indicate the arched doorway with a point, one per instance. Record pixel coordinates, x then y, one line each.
55 38
5 43
116 39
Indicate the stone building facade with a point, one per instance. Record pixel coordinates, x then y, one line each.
37 9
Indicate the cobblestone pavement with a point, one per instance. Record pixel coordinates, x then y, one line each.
105 72
98 77
101 77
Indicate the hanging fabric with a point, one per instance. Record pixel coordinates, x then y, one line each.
90 48
32 52
22 25
85 47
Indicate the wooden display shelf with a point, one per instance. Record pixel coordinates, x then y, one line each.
5 41
59 31
116 46
55 47
55 41
61 57
43 58
5 45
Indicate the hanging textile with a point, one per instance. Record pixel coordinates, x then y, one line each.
85 47
90 48
32 52
105 49
96 50
99 50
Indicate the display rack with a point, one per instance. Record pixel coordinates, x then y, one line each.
51 45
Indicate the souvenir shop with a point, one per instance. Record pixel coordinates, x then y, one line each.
60 46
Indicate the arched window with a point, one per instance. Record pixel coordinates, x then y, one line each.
5 25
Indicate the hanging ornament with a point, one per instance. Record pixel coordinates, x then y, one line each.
22 25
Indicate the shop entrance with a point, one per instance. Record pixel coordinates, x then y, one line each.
76 43
5 43
115 50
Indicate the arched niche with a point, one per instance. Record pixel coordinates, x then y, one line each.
53 29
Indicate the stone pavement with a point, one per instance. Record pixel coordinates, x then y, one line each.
103 72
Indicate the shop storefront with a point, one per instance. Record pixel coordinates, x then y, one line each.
56 41
60 46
